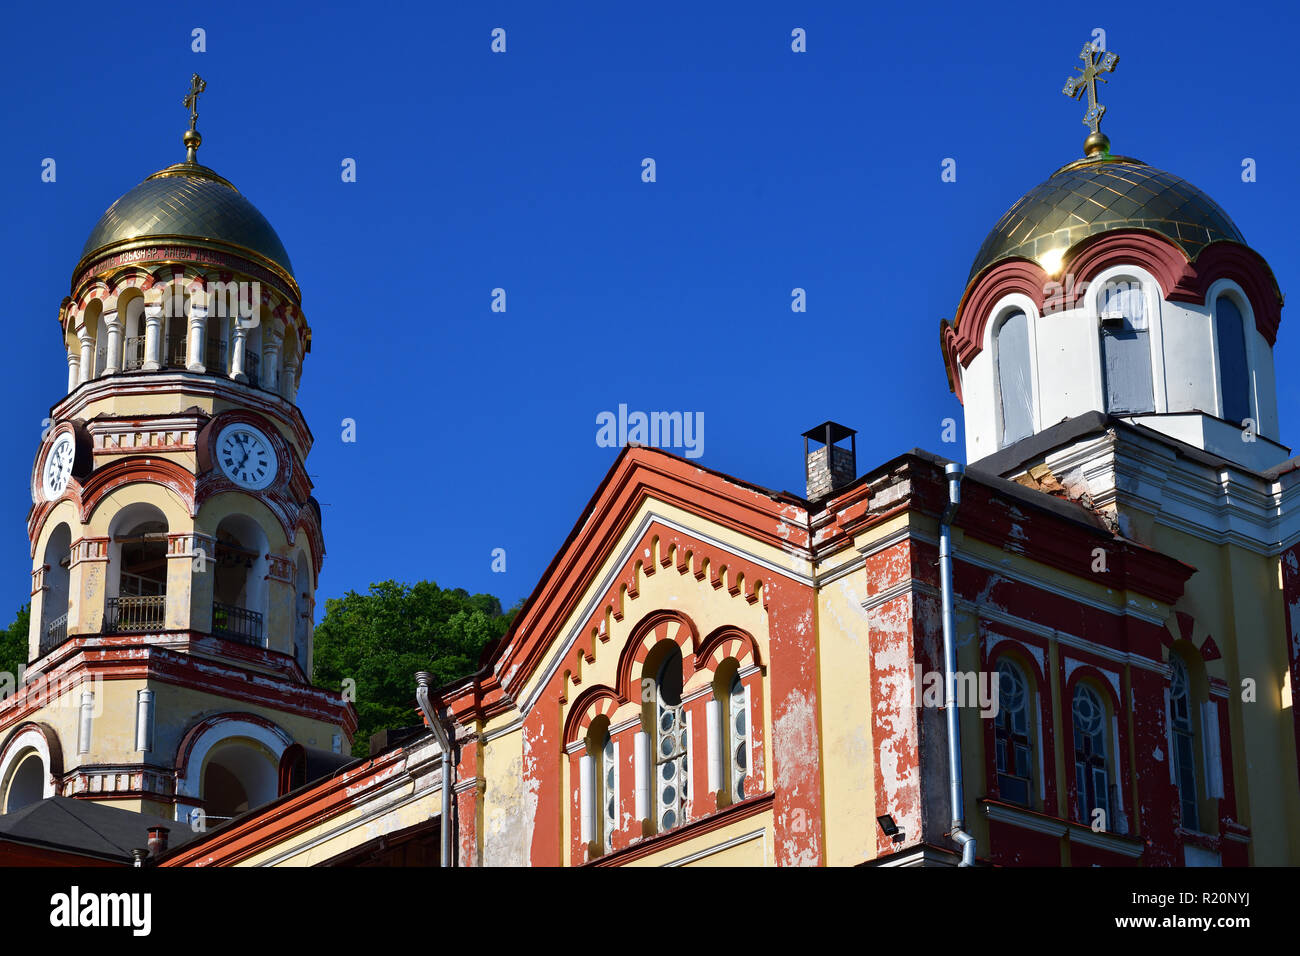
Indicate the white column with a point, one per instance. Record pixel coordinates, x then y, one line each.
237 353
289 381
87 718
642 754
153 338
586 797
74 370
197 332
713 727
269 375
87 357
113 358
144 720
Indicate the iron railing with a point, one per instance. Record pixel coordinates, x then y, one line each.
237 624
125 615
133 355
55 634
214 356
174 356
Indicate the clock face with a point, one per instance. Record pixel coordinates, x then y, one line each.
246 456
58 467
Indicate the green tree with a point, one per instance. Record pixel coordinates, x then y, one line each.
13 643
380 639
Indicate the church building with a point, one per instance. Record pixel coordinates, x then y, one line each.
1079 649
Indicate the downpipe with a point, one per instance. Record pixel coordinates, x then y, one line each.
422 681
964 841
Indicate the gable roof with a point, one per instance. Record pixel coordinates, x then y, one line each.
86 827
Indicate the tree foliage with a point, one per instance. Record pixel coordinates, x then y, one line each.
381 638
13 643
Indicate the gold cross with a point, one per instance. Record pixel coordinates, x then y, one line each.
1089 75
197 86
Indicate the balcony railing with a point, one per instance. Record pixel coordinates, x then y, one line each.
55 634
133 356
252 365
237 624
175 352
214 356
125 615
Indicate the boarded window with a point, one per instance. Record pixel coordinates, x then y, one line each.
1016 391
1126 349
1230 335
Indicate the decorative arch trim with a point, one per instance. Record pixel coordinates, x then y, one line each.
728 642
200 739
159 471
590 704
657 626
37 736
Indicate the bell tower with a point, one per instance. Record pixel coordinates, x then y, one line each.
175 542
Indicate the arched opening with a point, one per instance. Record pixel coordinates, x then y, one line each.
239 775
131 308
101 345
253 356
26 783
54 603
1126 347
216 348
1015 382
302 615
175 348
1234 371
239 592
137 599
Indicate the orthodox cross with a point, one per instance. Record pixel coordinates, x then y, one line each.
197 86
1095 63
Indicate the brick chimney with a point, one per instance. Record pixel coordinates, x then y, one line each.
157 841
829 466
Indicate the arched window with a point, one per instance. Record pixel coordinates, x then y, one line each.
729 734
1091 775
1234 373
1126 348
1011 736
1181 716
598 769
670 742
1015 386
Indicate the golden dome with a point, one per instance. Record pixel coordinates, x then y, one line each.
188 203
1100 194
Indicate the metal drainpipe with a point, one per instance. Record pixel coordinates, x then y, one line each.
964 840
422 681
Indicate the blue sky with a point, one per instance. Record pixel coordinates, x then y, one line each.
477 430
